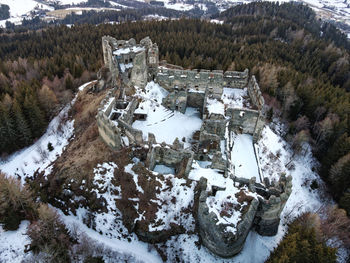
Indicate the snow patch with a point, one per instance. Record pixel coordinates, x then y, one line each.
12 244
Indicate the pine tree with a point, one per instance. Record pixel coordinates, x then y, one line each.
34 115
24 136
8 141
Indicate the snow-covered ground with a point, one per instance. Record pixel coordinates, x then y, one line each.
22 7
12 244
234 97
137 250
163 123
274 154
213 176
243 157
171 202
215 106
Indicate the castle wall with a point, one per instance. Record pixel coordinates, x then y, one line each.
128 114
269 212
214 237
195 99
139 72
108 131
217 127
255 93
109 59
180 159
134 135
214 80
246 121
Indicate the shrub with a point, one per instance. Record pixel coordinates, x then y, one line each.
16 203
314 185
50 236
50 147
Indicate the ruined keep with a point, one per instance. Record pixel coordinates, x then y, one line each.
229 103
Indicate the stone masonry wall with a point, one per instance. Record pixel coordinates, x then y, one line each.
174 158
255 93
214 236
246 121
217 79
108 131
109 60
139 71
269 212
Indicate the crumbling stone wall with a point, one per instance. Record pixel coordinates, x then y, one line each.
269 212
181 160
195 99
214 236
246 121
144 58
217 127
128 114
108 131
201 79
263 214
110 61
255 93
176 100
139 72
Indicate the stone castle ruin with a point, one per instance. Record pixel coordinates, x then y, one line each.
228 107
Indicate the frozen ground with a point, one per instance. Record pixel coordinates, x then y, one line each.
172 201
138 251
163 123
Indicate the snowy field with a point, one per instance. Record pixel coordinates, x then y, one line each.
22 7
19 8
